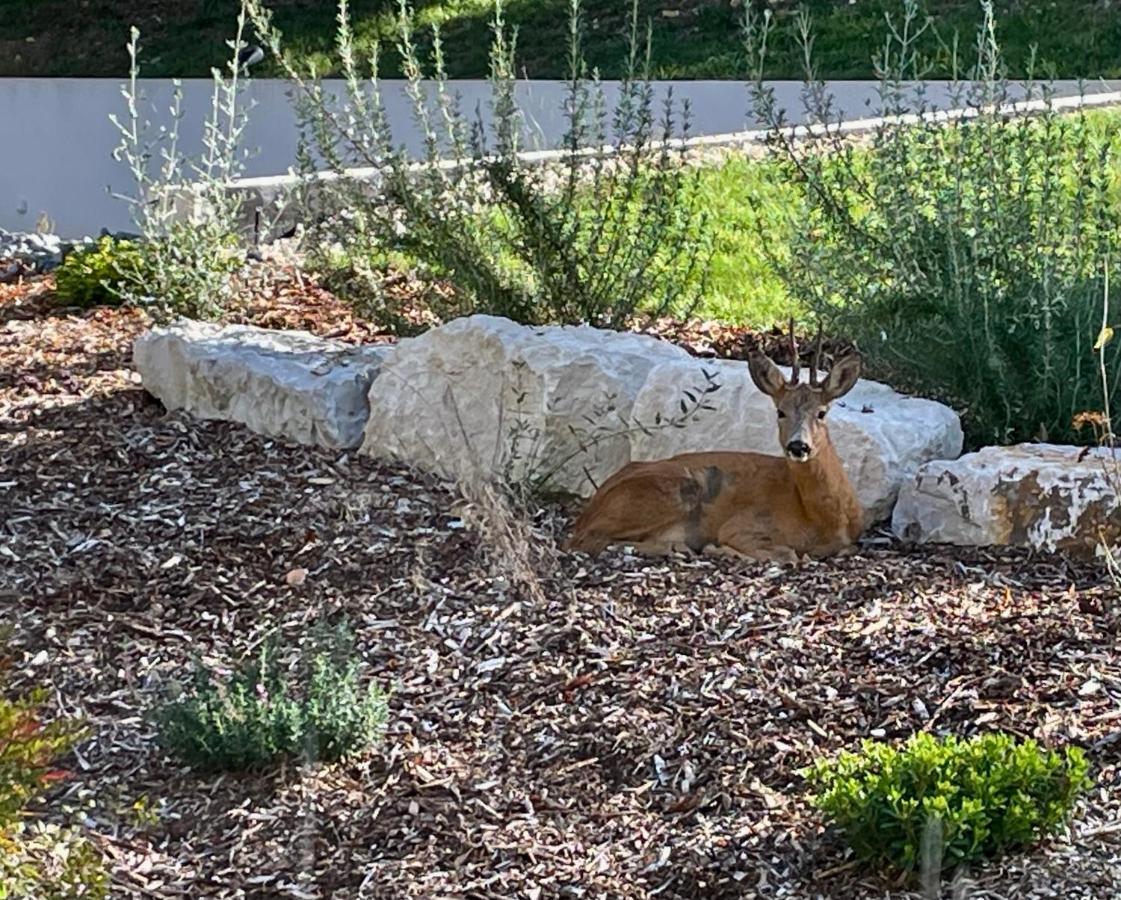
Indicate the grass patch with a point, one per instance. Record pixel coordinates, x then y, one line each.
742 198
691 38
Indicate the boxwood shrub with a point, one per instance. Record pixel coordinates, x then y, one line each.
960 799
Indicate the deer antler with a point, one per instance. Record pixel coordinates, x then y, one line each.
794 369
817 358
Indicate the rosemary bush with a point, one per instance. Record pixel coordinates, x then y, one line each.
316 708
963 256
183 266
951 801
598 236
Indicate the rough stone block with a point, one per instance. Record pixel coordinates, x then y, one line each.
484 396
1045 496
286 384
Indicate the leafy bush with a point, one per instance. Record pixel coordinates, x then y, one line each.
594 237
94 276
962 255
39 860
970 799
263 711
187 270
50 863
186 264
27 749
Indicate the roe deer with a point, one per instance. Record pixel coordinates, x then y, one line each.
739 503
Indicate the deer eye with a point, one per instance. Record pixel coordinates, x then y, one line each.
821 413
781 414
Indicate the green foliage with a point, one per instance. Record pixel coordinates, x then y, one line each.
1074 37
1065 40
28 748
593 237
956 800
340 717
185 265
50 863
743 198
314 707
186 271
965 257
39 860
94 276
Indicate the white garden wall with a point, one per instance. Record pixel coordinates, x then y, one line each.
56 155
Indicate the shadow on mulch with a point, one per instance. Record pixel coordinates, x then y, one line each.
24 302
35 377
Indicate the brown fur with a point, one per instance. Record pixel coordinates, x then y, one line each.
743 504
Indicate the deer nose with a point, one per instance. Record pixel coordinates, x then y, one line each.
798 449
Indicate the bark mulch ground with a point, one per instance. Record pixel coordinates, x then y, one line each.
636 732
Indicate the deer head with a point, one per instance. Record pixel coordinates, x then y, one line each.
802 407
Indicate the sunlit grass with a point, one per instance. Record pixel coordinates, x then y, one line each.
1075 38
745 199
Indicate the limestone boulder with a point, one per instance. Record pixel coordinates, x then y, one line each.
882 436
286 384
1050 497
485 396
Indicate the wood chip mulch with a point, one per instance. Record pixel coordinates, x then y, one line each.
636 733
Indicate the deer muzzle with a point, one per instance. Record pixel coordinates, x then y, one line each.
798 450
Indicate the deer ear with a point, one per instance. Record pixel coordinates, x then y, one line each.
765 374
842 377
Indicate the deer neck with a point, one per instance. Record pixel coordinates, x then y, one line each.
827 495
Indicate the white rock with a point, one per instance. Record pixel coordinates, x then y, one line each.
881 436
485 396
286 384
1036 495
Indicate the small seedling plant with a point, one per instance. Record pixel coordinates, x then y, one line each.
940 802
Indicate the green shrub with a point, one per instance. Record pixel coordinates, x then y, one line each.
50 863
95 276
42 861
987 795
316 709
28 748
185 265
590 237
186 271
964 257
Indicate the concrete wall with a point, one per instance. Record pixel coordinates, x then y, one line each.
56 151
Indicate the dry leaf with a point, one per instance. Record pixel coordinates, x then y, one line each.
1104 337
